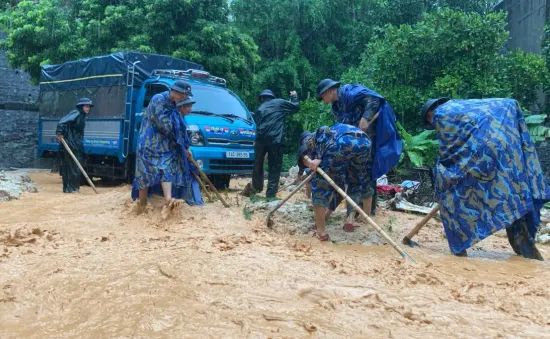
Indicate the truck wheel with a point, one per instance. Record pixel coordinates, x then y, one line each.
220 181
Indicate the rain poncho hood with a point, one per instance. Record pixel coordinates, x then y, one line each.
388 140
488 174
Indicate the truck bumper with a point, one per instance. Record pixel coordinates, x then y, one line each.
214 160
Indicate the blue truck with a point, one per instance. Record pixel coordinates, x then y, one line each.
121 85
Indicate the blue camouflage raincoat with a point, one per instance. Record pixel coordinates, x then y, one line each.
161 153
344 151
488 174
353 100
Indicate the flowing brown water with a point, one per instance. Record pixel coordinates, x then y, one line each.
84 266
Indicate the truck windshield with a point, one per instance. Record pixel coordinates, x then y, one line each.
217 101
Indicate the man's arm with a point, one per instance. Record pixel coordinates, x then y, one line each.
64 124
372 106
292 106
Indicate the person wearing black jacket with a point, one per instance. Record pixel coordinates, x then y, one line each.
270 125
71 128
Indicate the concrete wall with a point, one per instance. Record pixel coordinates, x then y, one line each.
526 20
15 87
18 117
18 137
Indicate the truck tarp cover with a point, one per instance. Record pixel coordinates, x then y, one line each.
107 70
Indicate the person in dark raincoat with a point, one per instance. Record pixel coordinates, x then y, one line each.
270 136
71 129
162 165
488 176
361 107
342 151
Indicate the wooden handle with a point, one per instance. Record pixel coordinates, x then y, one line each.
421 224
203 187
205 178
78 164
309 177
360 211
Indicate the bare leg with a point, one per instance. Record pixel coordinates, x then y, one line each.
320 220
142 202
308 190
168 203
367 206
167 192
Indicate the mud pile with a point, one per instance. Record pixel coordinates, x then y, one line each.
12 184
295 217
215 272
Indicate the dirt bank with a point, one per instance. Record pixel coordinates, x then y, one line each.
83 266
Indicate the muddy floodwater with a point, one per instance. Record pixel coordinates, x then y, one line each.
85 266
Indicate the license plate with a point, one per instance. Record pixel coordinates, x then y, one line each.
238 155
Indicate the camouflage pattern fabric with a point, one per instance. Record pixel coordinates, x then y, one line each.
344 151
488 175
161 148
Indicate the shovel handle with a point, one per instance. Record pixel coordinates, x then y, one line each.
78 164
420 224
205 178
360 211
203 187
302 184
309 177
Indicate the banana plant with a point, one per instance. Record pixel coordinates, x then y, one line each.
536 129
419 150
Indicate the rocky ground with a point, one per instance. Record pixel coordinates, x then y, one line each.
14 183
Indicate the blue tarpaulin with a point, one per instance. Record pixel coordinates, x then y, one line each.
488 174
388 144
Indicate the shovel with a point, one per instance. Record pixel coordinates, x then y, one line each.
407 240
218 195
78 164
268 220
360 211
284 188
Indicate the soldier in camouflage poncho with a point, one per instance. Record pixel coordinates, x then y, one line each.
342 151
488 176
162 167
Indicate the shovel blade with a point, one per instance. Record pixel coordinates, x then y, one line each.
411 243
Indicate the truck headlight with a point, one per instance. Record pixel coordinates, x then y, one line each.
195 135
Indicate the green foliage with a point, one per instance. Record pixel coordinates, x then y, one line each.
449 53
536 130
55 31
418 150
409 51
246 213
525 73
312 115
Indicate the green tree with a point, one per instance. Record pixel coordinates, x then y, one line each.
450 53
55 31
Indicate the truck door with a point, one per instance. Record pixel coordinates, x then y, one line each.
151 89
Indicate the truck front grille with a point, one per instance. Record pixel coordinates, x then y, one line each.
227 142
232 165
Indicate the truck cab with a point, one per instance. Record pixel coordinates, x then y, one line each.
220 127
121 85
